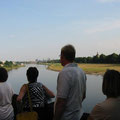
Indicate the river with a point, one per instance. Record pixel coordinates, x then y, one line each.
94 95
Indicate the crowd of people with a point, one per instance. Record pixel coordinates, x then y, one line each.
71 91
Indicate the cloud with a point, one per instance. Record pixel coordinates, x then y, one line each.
102 27
104 1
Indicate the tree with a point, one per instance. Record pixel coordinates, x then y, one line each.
1 62
102 58
8 63
95 59
119 58
89 59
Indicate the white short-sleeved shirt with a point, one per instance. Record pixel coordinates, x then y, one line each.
6 93
71 85
107 110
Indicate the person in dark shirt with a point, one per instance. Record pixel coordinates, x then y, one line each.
38 93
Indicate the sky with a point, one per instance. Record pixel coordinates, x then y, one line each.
38 29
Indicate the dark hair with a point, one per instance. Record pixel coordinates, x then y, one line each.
68 52
111 83
32 74
3 74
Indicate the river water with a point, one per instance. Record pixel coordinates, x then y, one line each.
94 95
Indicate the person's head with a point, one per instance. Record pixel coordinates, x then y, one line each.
111 83
67 54
32 74
3 74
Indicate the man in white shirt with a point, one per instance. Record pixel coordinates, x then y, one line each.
6 93
71 87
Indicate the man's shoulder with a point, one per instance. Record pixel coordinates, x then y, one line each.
72 70
64 71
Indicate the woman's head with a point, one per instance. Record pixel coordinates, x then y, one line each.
32 74
3 74
111 83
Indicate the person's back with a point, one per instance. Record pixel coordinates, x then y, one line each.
37 94
76 79
116 110
71 87
6 93
109 109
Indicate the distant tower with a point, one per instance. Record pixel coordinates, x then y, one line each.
97 54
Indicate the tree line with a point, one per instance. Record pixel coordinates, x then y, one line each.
107 59
112 59
9 64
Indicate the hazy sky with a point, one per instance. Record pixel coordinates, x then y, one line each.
37 29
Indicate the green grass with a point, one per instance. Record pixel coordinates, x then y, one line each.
89 68
55 67
13 67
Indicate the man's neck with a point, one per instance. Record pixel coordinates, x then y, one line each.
67 62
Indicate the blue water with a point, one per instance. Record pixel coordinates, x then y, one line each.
94 94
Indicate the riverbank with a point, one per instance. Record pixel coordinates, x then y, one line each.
13 67
98 69
49 78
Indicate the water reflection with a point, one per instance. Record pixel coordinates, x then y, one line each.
94 93
49 78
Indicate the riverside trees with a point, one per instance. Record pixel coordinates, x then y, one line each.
105 59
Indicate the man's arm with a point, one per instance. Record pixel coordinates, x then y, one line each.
84 96
59 108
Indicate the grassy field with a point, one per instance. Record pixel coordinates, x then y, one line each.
89 68
13 67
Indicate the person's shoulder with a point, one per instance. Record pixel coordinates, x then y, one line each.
65 71
78 67
101 105
81 70
24 86
98 108
6 84
71 69
98 112
68 68
110 103
3 83
39 84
